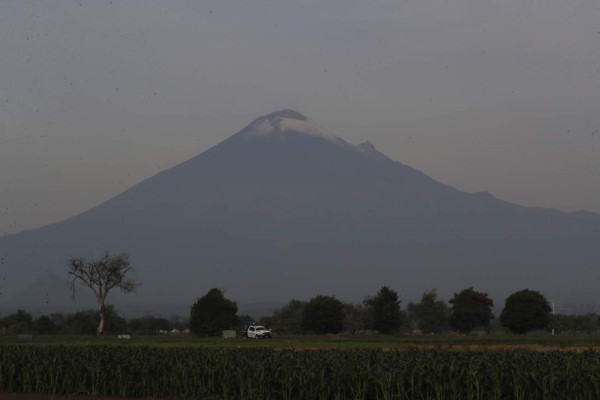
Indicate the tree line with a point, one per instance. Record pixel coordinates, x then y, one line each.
524 311
86 323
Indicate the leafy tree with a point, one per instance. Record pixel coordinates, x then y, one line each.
80 323
524 311
470 309
264 321
58 320
587 323
246 319
356 318
432 315
384 310
19 322
115 323
287 319
101 276
323 314
213 313
85 322
44 325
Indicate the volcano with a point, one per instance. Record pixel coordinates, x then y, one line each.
285 209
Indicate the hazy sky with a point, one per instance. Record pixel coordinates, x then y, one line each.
498 96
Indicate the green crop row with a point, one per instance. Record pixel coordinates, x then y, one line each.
288 374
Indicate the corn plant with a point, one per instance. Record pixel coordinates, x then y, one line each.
288 374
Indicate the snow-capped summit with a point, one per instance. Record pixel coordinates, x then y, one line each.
291 114
284 121
274 212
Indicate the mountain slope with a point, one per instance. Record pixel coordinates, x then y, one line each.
286 209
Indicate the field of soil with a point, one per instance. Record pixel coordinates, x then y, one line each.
504 347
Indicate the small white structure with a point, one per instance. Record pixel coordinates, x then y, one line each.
128 337
229 334
24 336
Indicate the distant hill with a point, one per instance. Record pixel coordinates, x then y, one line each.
47 294
284 209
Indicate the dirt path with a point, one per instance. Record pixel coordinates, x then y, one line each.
504 347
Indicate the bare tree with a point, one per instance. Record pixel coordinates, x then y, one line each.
101 276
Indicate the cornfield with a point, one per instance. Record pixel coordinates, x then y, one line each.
256 373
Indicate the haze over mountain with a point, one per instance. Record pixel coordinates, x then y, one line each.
284 209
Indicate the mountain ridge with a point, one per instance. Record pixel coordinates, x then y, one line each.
288 214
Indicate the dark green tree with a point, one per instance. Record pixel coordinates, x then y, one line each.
355 319
431 314
587 323
323 314
19 322
213 313
287 319
101 276
524 311
44 325
246 319
86 322
383 310
470 309
115 323
80 323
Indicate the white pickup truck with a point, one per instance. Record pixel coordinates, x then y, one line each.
256 332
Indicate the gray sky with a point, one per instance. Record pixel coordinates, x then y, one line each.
498 96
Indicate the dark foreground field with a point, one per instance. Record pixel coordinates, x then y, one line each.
36 396
327 367
492 342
